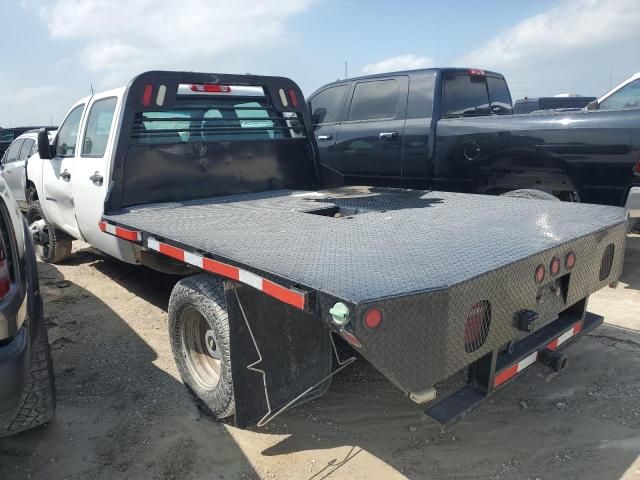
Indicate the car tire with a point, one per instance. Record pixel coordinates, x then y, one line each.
199 336
59 245
38 402
531 193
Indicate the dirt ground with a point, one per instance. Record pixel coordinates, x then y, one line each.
123 412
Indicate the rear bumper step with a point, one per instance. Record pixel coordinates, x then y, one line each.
494 371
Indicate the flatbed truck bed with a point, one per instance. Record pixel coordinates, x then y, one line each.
408 253
384 243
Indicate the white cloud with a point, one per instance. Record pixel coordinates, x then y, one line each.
579 46
574 24
123 37
401 62
32 105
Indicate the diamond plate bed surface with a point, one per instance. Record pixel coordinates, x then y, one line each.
397 242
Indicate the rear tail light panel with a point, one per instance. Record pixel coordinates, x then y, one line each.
477 326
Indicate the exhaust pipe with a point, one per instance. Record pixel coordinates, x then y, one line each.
556 360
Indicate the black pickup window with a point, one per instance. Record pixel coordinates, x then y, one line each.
468 95
214 119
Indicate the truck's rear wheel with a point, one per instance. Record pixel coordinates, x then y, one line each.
199 335
531 193
38 402
52 246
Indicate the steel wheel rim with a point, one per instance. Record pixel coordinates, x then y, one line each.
41 250
200 349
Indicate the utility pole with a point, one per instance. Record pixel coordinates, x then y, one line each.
91 87
346 70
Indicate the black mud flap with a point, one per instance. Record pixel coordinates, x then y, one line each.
280 356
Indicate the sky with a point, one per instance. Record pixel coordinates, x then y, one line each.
59 49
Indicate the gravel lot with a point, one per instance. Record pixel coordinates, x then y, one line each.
123 412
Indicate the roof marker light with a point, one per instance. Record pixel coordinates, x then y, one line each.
293 97
283 98
210 88
146 94
162 91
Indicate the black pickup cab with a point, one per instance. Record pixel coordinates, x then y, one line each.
454 129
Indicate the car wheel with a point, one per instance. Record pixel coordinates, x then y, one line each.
38 402
199 335
52 246
531 193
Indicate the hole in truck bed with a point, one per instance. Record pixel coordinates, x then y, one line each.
336 211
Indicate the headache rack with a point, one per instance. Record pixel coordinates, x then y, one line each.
189 135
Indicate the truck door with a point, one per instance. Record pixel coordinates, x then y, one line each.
9 170
19 180
326 108
57 193
91 175
369 141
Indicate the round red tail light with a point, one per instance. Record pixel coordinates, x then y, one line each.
373 318
570 261
540 273
554 267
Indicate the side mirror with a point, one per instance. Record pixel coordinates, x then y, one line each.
593 105
44 150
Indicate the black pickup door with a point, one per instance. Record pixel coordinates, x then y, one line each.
597 150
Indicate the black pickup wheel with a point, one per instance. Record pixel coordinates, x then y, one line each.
199 334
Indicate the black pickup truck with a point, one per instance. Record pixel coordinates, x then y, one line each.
453 129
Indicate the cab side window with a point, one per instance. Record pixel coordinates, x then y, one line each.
27 148
326 105
377 100
627 97
13 153
68 133
96 136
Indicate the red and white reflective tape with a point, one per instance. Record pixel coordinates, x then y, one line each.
131 235
510 372
272 289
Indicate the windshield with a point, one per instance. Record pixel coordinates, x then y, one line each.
626 97
472 95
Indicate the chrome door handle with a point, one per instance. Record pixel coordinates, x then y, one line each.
325 137
66 175
388 135
97 178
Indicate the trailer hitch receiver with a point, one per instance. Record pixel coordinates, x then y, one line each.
556 360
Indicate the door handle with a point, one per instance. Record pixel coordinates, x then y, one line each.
96 178
388 135
66 175
325 137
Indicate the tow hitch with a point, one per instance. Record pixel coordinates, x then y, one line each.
39 232
495 370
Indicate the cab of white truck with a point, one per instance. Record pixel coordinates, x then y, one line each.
71 185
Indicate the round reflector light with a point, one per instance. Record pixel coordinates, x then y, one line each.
540 273
554 267
373 318
570 261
